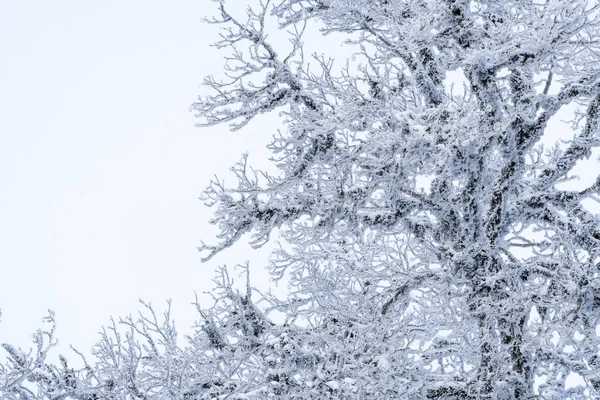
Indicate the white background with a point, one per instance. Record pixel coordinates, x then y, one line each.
101 165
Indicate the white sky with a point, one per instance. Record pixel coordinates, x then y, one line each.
101 166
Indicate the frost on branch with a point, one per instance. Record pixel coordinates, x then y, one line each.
430 247
490 255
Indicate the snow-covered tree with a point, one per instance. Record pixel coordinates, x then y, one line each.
429 244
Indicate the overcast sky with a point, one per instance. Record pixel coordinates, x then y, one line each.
101 165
